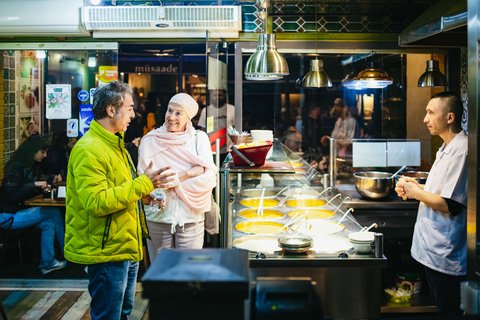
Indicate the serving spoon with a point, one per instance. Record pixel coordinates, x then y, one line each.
400 170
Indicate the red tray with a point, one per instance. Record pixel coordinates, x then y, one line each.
256 154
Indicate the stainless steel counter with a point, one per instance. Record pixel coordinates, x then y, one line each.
356 201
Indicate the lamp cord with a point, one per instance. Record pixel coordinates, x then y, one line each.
316 29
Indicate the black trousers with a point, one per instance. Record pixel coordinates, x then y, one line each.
445 291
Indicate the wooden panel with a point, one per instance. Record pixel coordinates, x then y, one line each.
61 306
23 306
14 298
139 307
42 306
79 308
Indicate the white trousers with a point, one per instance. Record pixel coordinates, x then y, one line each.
188 237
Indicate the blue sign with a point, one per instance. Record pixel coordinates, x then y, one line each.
86 117
83 95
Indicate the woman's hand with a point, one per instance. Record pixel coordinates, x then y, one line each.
41 184
191 173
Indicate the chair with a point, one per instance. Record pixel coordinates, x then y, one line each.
4 232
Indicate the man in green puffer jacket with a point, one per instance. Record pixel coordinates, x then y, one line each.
105 222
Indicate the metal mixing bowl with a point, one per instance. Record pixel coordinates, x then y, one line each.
374 185
420 176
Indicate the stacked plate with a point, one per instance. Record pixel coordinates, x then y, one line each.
263 135
362 241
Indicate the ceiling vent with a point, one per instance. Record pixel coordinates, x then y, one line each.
162 21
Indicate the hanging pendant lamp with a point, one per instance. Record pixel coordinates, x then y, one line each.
432 77
266 63
349 82
316 77
373 78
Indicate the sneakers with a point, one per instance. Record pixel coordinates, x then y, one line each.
57 265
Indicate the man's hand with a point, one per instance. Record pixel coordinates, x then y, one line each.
158 179
324 141
57 178
399 188
407 188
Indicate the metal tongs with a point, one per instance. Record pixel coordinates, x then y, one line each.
250 163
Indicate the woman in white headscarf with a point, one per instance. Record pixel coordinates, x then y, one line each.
180 224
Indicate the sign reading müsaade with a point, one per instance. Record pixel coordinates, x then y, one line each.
58 101
164 67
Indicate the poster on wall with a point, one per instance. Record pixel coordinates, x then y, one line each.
59 101
29 126
29 96
107 74
29 65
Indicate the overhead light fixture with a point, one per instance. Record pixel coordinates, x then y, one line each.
432 77
372 78
41 54
349 82
92 62
316 77
265 63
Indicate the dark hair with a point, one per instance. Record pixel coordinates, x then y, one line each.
112 94
453 104
25 154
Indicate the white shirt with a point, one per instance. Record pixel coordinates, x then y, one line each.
345 128
440 239
223 117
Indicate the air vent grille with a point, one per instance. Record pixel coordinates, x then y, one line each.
153 17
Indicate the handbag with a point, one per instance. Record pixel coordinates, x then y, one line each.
212 217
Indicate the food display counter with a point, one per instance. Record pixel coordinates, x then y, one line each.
295 202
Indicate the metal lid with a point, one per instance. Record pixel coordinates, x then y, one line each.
295 242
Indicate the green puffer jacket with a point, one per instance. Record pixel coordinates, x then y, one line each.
103 222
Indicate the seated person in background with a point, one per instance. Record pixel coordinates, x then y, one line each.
317 159
293 140
57 161
21 182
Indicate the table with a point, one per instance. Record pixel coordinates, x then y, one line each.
39 201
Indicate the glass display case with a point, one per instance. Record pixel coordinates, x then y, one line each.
286 199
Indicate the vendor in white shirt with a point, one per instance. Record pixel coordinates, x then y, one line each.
223 114
440 236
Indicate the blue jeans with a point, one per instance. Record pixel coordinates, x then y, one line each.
50 221
445 291
112 288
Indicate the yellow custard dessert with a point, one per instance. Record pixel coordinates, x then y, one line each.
255 202
259 227
267 214
306 203
311 214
